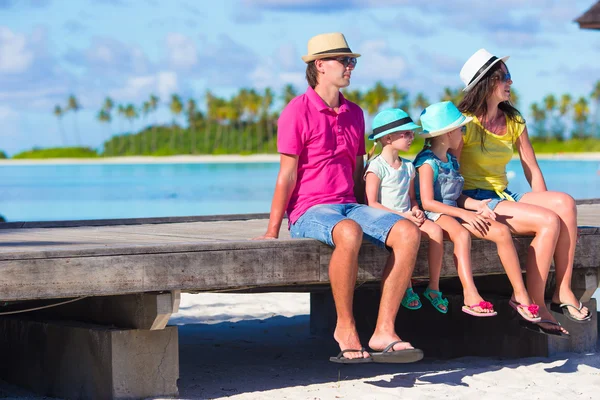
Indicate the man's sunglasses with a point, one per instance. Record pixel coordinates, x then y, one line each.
345 61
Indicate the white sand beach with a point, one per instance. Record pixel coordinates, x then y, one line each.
258 346
208 159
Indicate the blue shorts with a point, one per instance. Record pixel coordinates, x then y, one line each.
318 222
483 194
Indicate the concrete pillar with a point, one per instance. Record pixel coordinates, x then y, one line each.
81 361
134 311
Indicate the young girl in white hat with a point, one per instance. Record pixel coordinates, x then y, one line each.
440 193
390 186
497 128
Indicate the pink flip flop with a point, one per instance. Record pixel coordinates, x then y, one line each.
485 305
520 308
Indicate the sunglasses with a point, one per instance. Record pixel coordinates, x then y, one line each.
505 78
345 61
463 129
404 134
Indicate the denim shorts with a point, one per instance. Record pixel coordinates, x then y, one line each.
483 194
318 222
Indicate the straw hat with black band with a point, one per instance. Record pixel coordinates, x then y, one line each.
328 45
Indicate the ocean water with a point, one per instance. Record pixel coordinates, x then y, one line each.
100 191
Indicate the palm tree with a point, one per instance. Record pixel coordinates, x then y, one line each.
73 105
399 98
154 100
355 96
289 92
104 117
131 114
191 109
453 95
267 102
176 107
539 118
146 108
107 107
581 110
550 107
121 136
420 103
564 108
59 113
375 97
596 97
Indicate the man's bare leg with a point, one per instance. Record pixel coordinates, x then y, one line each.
404 240
343 270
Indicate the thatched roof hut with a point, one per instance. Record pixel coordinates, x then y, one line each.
591 18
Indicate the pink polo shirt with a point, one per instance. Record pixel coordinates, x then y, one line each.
327 144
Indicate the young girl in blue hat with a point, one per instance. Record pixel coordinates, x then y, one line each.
389 186
439 191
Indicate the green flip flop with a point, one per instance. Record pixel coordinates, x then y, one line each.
436 301
409 297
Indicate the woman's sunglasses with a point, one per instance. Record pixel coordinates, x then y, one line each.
345 61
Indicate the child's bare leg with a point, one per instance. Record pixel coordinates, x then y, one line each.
501 235
435 235
462 258
435 254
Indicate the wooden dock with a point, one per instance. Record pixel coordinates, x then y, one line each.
57 260
127 276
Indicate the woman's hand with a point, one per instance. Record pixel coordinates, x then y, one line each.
484 210
477 221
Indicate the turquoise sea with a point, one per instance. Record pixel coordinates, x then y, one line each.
100 191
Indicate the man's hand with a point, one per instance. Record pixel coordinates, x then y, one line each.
409 216
266 236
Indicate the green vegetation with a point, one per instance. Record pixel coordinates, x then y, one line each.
58 152
246 122
2 154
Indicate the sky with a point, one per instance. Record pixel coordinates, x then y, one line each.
129 49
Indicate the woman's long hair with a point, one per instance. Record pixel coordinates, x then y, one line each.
474 102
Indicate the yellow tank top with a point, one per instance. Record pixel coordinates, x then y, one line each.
486 168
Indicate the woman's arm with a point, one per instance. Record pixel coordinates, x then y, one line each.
532 170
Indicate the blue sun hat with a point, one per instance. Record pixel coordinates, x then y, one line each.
390 121
440 118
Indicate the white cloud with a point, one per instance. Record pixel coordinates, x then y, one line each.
163 83
182 51
383 64
15 55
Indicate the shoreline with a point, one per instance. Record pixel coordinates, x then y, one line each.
231 158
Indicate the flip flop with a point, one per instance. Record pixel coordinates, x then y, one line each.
486 305
563 308
436 301
535 327
388 355
409 297
520 308
340 359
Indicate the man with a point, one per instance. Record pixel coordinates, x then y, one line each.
321 141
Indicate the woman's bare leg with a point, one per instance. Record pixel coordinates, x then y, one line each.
564 206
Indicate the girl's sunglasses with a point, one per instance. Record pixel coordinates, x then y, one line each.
345 61
505 78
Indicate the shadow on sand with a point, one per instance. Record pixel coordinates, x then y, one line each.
227 359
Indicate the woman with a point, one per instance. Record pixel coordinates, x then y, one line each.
551 217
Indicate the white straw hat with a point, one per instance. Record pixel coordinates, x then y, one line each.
477 66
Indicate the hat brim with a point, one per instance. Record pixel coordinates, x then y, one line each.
406 127
472 84
456 124
312 57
